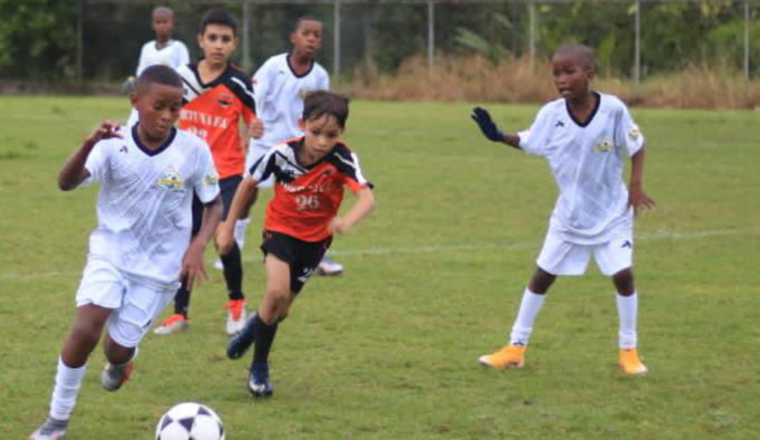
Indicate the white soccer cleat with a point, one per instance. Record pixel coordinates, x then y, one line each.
236 316
218 264
329 267
173 324
51 429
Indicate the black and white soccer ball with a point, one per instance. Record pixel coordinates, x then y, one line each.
190 421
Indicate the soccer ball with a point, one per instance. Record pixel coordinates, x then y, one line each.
190 421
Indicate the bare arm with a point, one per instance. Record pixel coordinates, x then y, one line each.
192 263
73 172
226 236
636 195
361 209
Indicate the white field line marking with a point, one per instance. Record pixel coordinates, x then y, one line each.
444 248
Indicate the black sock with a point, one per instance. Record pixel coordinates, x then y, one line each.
233 272
182 300
264 336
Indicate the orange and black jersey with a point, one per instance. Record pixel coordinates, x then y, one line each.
305 198
212 111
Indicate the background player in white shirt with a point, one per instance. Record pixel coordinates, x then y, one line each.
163 50
279 87
585 136
141 244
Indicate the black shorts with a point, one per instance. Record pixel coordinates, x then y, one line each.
227 188
303 257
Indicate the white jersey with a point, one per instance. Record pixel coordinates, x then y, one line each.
587 161
144 205
279 94
174 54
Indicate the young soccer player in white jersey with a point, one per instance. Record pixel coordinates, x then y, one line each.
163 50
142 244
586 137
280 85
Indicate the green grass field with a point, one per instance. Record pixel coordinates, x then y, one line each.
388 351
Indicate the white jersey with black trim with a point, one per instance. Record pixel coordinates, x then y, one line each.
144 205
279 95
173 54
587 161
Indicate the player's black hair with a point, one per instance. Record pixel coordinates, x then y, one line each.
583 53
158 74
162 10
320 103
220 17
303 18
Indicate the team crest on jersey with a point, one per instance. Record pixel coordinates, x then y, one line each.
171 180
604 146
225 100
634 133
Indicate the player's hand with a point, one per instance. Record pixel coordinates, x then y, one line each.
192 266
256 129
639 199
225 238
106 130
486 124
338 226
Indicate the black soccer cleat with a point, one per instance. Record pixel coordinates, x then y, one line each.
240 343
258 381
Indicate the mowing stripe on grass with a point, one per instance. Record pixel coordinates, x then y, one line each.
443 248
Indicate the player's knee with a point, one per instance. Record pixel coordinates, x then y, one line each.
541 281
623 281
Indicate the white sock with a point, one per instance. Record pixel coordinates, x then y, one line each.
627 307
240 228
529 307
67 383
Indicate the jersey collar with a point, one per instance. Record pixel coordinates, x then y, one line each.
591 116
290 66
164 145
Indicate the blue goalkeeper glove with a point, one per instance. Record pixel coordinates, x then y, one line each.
487 126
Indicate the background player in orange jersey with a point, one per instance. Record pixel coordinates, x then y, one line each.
310 173
217 97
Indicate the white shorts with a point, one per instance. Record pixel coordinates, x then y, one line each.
135 302
560 257
255 152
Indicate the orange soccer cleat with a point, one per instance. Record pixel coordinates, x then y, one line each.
630 363
511 356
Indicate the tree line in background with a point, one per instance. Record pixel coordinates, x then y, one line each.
39 38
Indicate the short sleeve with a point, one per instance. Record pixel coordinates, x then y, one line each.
627 133
264 166
141 63
206 184
535 139
183 55
325 82
97 164
353 177
261 84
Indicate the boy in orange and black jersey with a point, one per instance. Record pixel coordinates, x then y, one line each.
217 97
310 174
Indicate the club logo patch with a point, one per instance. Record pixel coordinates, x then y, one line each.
634 133
604 146
171 180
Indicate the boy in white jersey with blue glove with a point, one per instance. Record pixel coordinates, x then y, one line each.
141 245
586 137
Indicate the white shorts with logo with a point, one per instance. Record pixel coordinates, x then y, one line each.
560 257
256 151
135 301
